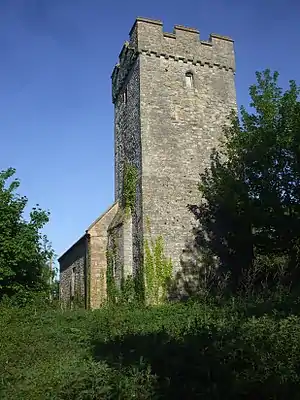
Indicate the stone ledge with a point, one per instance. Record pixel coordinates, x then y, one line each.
186 29
149 53
206 43
221 37
169 35
185 60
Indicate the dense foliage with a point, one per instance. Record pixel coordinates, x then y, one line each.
171 352
24 251
249 221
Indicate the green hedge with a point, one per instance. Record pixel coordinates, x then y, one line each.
179 351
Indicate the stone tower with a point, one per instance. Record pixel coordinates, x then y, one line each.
172 93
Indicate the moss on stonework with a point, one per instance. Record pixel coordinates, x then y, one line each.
157 269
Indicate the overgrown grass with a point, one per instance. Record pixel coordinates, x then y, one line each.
185 351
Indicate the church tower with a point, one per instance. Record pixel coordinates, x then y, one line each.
172 93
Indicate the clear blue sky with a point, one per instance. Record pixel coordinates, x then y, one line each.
56 115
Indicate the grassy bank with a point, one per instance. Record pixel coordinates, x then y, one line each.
193 350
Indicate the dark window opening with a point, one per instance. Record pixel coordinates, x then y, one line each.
189 79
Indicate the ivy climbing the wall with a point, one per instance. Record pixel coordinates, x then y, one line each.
129 187
117 294
158 269
112 291
151 280
126 292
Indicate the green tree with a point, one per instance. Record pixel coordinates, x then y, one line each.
24 251
249 220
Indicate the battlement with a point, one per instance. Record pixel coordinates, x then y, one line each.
147 37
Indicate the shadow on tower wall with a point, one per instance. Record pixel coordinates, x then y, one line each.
210 262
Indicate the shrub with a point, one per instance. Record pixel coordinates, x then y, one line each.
192 350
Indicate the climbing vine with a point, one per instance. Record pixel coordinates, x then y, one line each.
127 294
112 291
129 187
78 301
154 274
150 282
139 285
158 269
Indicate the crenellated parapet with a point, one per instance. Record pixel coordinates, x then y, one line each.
127 58
184 44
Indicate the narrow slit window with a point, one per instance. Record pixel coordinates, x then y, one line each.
125 96
189 80
73 282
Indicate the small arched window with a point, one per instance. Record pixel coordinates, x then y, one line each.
189 79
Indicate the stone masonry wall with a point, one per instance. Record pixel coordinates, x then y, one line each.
116 246
74 258
126 97
178 124
97 257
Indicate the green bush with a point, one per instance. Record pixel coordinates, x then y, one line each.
192 350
